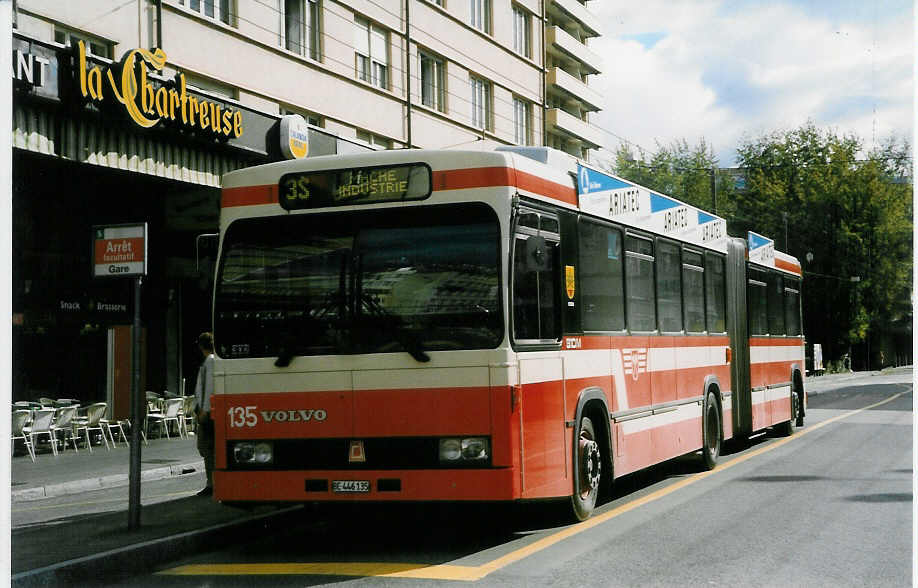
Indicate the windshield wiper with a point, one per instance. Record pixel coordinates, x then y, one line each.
409 340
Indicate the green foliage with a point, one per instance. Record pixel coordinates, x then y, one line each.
813 192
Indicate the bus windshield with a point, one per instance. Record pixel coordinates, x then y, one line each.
375 281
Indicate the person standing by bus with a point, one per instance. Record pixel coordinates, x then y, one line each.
203 390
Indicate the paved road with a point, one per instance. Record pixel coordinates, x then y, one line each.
830 506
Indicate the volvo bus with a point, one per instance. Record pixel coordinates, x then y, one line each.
506 325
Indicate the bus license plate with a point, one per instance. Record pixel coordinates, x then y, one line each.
350 486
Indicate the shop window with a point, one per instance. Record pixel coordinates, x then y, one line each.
221 10
211 86
301 27
311 118
94 45
371 47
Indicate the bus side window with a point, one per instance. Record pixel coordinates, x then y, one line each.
757 297
536 280
641 299
601 278
715 293
775 304
792 306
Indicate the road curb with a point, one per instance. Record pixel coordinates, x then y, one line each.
146 555
99 483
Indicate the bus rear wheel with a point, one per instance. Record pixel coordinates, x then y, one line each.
589 471
710 428
786 429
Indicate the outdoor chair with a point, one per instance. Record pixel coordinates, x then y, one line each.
171 413
109 425
94 413
63 425
42 422
20 420
188 413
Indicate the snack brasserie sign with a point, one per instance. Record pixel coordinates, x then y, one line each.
148 101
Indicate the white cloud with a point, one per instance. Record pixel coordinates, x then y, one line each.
725 70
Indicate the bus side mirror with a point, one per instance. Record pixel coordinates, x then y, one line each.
536 254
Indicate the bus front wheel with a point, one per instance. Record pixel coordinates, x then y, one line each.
589 471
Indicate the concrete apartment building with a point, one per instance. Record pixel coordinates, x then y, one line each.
361 73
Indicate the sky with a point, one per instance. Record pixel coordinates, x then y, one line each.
729 70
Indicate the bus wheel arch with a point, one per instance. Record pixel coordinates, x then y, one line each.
712 425
591 452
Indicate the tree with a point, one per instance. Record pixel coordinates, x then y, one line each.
851 216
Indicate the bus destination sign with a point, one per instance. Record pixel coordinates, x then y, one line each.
319 189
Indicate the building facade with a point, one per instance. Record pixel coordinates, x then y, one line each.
131 111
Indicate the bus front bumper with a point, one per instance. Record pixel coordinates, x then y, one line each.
368 485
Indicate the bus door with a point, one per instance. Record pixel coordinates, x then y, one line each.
738 330
536 322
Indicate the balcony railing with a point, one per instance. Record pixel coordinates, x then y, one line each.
574 10
569 85
557 40
570 125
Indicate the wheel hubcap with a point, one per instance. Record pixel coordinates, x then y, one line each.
590 466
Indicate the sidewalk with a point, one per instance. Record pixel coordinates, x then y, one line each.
71 473
77 549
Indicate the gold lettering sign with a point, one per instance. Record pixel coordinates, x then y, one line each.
147 104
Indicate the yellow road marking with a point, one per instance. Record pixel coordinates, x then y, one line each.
473 573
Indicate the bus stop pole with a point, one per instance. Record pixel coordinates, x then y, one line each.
137 414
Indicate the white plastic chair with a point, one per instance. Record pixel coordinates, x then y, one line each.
171 413
42 421
94 413
63 423
20 420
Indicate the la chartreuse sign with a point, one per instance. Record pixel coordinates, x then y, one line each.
148 102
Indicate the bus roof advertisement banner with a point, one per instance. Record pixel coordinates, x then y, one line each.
761 249
120 250
615 199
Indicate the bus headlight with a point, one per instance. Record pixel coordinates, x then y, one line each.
465 449
253 452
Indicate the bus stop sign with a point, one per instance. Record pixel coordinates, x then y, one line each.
120 250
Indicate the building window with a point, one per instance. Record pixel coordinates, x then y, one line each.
301 27
522 122
211 86
522 32
481 103
433 82
215 9
310 117
93 46
374 140
480 17
371 44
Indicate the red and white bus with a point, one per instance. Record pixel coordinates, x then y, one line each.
504 325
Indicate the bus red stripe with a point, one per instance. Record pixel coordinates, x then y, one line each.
794 268
249 196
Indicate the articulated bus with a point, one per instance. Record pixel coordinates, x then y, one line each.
506 325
